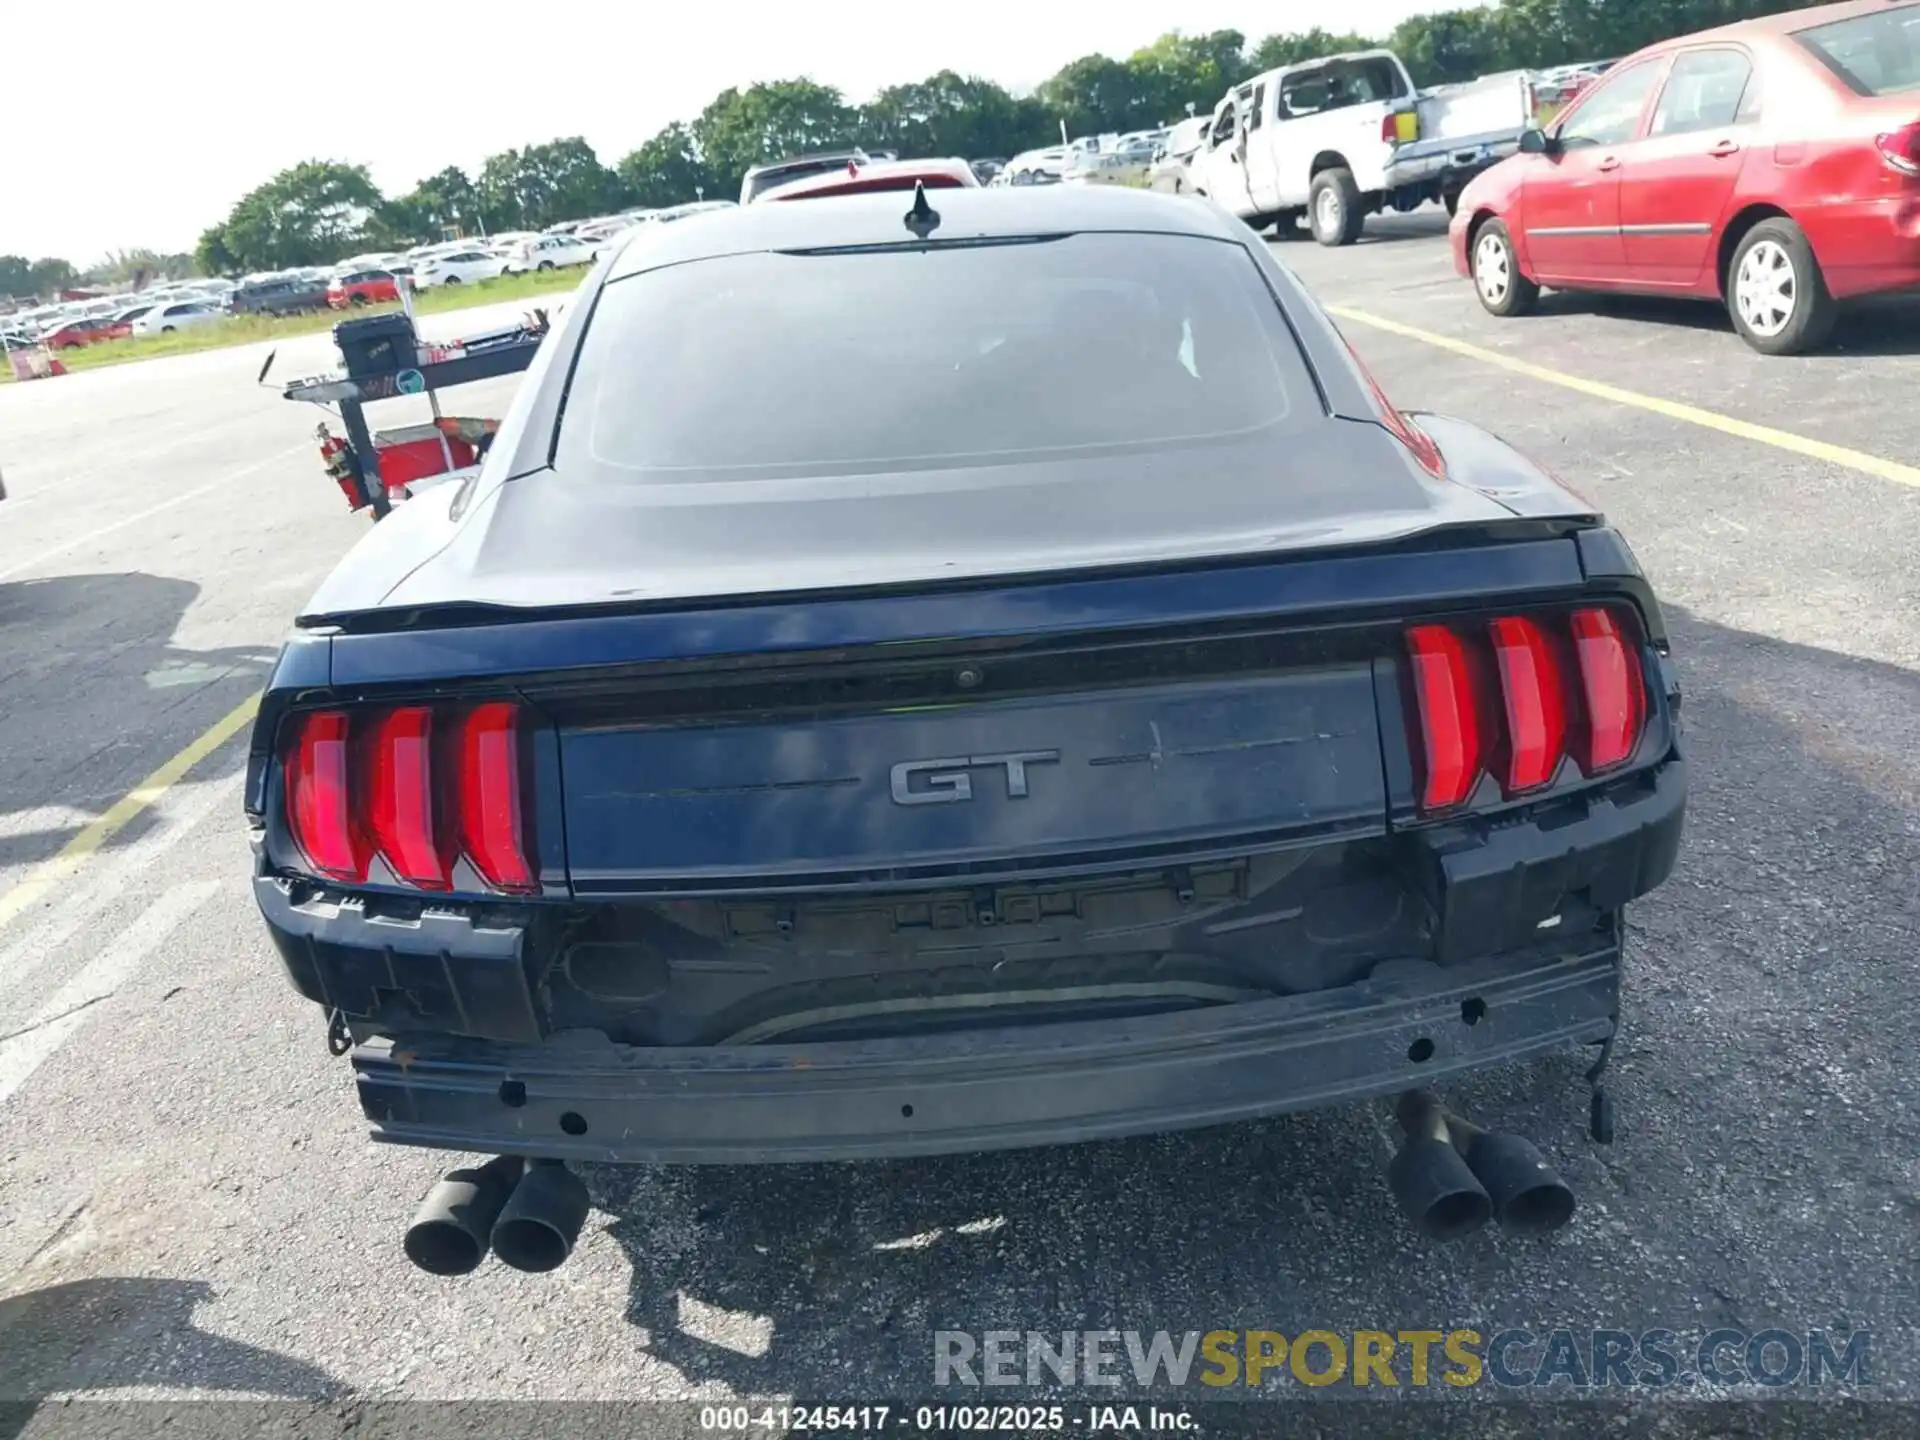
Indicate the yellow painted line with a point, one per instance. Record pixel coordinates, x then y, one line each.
1875 465
49 873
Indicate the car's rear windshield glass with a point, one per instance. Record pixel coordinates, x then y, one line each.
753 365
1875 54
787 174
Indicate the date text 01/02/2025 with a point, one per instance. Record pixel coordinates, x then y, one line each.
943 1419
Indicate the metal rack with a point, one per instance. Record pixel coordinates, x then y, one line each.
486 356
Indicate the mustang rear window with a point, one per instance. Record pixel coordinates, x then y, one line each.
1875 54
750 366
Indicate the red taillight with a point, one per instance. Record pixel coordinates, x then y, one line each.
1611 686
1569 688
1449 715
319 810
400 801
1535 702
1901 149
491 826
416 786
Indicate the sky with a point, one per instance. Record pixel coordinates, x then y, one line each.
224 97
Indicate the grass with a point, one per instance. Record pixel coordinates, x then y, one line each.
246 329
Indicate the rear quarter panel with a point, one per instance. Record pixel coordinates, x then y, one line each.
1816 162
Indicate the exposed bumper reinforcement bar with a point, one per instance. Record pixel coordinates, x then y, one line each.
583 1097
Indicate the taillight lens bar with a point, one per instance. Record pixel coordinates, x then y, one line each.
492 817
1535 702
1612 686
1519 696
1450 711
418 786
318 813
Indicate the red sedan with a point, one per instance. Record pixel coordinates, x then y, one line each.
77 333
362 287
1772 166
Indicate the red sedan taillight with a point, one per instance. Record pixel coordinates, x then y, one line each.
417 786
1901 149
1519 696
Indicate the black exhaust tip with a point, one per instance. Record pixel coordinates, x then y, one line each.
1436 1190
1528 1196
542 1219
450 1231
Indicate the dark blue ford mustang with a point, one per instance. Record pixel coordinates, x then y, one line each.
998 680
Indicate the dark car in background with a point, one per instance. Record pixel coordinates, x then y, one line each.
1134 723
291 293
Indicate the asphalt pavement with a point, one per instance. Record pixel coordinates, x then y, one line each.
189 1206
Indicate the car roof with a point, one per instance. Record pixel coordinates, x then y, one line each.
1788 22
972 213
811 157
877 174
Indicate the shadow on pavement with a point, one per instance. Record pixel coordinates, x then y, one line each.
98 695
1771 981
1871 327
1423 224
126 1332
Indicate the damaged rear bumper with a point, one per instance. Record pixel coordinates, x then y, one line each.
583 1097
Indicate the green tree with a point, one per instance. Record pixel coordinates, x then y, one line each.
1453 45
666 170
51 274
744 128
437 204
212 256
312 214
1178 70
16 276
545 184
950 114
1095 94
1292 49
125 267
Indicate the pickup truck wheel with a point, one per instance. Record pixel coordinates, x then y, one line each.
1497 280
1451 199
1286 224
1335 208
1775 292
544 265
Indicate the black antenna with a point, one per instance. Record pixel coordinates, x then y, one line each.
922 219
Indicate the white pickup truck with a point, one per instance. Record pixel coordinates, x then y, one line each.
1348 136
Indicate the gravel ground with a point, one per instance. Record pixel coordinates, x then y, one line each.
189 1207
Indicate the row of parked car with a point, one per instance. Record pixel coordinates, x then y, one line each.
359 280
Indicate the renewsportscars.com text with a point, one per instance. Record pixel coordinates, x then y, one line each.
1458 1358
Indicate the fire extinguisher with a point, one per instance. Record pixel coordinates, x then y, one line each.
338 459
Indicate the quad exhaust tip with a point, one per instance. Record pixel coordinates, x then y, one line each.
453 1227
528 1213
1451 1177
537 1230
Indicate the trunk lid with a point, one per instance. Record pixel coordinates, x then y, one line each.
544 541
